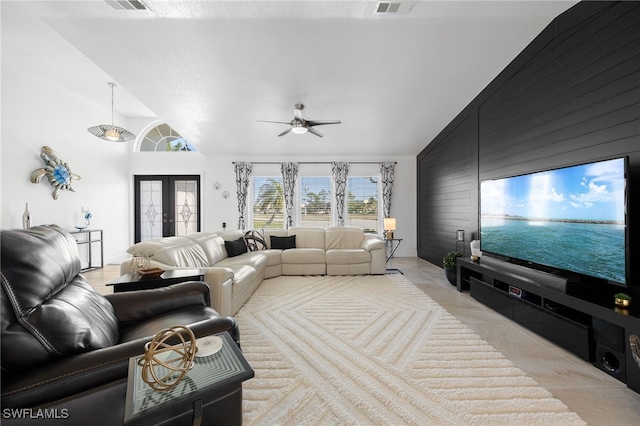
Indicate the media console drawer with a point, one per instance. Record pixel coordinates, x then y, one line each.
490 296
565 332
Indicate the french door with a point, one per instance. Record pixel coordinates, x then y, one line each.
166 205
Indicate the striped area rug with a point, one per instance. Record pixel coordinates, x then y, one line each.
376 350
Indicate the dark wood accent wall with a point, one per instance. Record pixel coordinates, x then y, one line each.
447 189
572 96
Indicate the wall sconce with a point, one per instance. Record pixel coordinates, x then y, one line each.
389 227
460 239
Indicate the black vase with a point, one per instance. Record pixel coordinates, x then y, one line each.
451 276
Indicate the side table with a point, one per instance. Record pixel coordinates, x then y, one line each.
89 241
391 245
210 378
129 282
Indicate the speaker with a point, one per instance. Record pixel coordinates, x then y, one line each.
609 349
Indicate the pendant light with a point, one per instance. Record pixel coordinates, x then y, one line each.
110 132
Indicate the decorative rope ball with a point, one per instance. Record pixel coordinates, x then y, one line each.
164 365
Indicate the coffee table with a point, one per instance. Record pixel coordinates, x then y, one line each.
211 378
129 282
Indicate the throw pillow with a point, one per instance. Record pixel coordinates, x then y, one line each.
283 242
255 240
235 247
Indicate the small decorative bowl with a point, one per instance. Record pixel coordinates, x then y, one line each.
151 272
622 302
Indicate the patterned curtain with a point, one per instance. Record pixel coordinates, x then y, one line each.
386 170
243 174
289 176
340 171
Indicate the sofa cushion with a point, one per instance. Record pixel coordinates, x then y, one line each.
274 256
308 236
235 247
187 255
255 259
150 247
212 245
48 310
243 277
347 256
303 255
344 237
283 243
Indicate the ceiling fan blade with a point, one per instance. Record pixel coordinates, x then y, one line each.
322 122
314 131
278 122
285 132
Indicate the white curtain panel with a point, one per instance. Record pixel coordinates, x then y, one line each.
340 171
387 169
243 175
289 176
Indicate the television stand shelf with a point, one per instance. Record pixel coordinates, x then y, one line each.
590 327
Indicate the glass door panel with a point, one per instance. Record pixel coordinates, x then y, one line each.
186 206
166 206
151 209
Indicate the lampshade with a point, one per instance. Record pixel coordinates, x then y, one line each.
109 132
389 223
460 235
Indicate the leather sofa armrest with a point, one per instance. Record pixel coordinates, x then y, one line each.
220 280
371 242
135 306
218 274
69 376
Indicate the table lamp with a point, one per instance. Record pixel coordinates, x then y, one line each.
389 227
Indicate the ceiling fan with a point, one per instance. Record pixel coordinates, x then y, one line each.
299 125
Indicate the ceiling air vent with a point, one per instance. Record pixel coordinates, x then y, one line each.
127 4
385 7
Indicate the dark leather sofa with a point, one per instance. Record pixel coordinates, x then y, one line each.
66 348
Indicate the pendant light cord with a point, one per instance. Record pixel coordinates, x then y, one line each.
111 84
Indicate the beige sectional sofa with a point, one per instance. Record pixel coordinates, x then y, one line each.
336 250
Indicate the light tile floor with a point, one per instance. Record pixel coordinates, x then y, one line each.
595 396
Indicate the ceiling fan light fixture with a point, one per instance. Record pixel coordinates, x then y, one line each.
110 132
298 128
299 125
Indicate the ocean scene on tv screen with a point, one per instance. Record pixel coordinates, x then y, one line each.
571 218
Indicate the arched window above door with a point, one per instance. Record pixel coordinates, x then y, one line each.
162 138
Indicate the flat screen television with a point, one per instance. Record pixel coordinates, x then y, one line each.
571 221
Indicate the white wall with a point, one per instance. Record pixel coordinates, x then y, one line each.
36 112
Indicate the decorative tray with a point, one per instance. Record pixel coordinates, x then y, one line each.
151 272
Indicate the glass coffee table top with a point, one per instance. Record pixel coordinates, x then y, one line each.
208 374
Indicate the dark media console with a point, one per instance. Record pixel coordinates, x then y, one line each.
590 327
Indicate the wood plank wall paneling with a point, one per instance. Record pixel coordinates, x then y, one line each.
579 92
445 202
572 96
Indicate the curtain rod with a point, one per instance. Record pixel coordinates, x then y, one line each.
315 162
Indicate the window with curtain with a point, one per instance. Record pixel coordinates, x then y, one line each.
268 202
315 201
362 203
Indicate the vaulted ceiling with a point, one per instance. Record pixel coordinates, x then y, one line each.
211 69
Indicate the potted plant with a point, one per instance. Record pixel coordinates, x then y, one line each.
622 299
450 263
